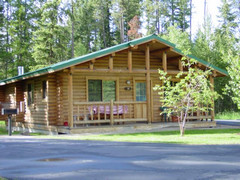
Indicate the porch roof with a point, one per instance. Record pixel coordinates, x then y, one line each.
74 61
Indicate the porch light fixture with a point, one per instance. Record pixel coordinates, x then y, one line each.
128 82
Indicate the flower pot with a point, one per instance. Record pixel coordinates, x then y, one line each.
174 119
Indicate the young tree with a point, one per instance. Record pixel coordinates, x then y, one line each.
192 90
233 88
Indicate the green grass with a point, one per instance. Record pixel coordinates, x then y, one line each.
2 123
197 137
3 130
228 115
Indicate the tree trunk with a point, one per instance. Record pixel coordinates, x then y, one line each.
182 130
190 19
72 31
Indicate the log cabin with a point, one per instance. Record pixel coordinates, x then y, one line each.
105 88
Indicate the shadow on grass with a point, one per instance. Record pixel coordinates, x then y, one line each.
187 132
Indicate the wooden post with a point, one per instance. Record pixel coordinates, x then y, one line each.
164 61
212 88
148 83
180 66
111 112
110 63
91 66
130 60
70 98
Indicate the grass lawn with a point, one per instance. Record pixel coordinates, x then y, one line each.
197 137
3 130
228 115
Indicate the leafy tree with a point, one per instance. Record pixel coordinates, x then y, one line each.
187 94
233 88
176 36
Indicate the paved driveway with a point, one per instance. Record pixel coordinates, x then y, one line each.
30 158
234 123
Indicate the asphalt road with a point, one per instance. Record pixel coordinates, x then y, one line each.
30 158
228 123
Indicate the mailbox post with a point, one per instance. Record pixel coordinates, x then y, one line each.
9 112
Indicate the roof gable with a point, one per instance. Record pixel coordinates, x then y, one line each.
104 52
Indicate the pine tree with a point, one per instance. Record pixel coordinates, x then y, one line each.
122 12
6 58
103 16
182 14
51 39
21 28
156 16
84 24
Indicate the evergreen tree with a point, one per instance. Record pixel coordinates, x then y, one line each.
84 23
51 40
156 16
21 28
181 12
6 59
103 16
122 12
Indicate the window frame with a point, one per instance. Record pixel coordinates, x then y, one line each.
44 90
30 94
116 79
138 80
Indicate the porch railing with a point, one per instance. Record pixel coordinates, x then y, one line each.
199 115
113 112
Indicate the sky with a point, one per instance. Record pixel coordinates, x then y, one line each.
198 13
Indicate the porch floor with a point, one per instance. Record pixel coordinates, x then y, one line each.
133 128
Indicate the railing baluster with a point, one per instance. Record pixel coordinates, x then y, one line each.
84 112
91 112
105 114
98 113
111 113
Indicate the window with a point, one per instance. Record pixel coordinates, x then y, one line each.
95 90
109 90
44 89
140 91
101 90
30 94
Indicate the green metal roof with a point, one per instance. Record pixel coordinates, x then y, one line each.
100 53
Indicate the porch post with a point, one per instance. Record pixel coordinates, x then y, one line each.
164 61
130 60
70 98
212 88
148 83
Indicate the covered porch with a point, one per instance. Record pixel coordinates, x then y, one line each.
87 114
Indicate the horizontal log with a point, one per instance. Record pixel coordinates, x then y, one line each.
130 120
91 121
199 117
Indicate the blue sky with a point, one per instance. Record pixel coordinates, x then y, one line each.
198 13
